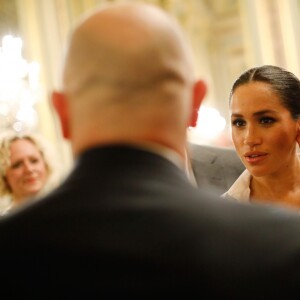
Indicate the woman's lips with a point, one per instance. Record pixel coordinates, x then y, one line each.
30 180
255 157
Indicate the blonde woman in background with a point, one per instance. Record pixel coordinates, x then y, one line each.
27 169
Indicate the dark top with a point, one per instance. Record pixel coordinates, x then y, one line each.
127 222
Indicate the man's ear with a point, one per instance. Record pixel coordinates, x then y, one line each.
60 104
199 93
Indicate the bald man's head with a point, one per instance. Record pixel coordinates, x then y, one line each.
126 46
128 70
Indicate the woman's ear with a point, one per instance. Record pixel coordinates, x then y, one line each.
60 104
298 133
198 96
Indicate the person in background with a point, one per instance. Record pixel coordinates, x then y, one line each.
213 166
127 222
28 169
265 117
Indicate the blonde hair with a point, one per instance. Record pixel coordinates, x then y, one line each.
44 147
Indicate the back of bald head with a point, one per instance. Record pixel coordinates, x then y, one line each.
126 48
129 72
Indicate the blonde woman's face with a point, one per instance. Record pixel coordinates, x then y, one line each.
27 173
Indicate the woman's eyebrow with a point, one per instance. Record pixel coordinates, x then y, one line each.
263 112
258 113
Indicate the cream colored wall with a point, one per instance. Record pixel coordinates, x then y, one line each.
42 43
271 33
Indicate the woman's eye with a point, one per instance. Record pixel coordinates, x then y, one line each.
267 120
16 165
238 123
34 160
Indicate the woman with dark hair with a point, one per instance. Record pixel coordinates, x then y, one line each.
265 119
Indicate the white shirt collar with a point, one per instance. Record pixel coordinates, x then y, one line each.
240 190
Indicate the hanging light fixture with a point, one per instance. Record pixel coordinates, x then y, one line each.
19 82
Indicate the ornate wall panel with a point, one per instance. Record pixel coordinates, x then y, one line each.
9 23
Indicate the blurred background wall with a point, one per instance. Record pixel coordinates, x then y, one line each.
228 37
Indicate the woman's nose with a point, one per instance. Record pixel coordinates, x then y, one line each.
251 137
28 166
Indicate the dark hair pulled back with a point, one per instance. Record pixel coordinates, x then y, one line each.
284 83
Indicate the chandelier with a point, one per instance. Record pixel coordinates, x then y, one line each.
19 82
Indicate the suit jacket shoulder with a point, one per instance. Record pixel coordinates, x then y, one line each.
215 167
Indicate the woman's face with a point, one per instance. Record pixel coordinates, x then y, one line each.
263 130
27 173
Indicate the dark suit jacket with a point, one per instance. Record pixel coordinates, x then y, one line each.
215 167
128 223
